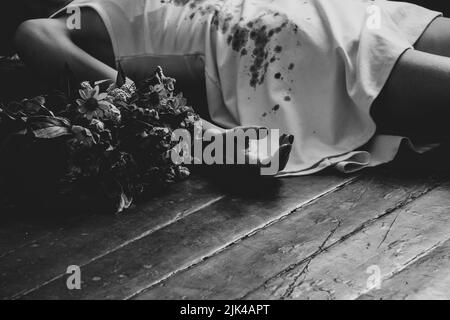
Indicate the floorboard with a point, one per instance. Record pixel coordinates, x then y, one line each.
318 237
364 260
179 246
248 269
427 277
43 254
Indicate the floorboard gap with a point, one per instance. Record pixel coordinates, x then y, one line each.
253 232
358 229
178 217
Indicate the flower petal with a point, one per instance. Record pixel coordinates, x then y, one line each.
89 115
95 92
104 105
102 96
84 94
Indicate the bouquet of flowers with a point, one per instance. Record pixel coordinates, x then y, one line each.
100 147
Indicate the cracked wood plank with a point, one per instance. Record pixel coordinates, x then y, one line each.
352 267
304 270
247 269
48 248
426 278
179 246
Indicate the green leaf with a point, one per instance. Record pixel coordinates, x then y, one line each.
51 132
124 202
42 122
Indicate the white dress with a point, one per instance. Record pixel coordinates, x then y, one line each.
311 68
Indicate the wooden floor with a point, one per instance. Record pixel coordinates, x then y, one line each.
319 237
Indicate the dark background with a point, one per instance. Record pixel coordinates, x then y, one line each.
13 12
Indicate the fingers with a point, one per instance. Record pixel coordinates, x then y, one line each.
285 153
291 139
286 139
281 156
286 142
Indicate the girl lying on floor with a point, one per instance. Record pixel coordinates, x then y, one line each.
350 79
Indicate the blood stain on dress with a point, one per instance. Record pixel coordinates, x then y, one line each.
261 39
272 111
239 38
241 31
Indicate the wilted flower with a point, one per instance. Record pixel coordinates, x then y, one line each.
81 138
118 95
119 141
129 87
151 113
93 105
123 94
14 108
97 125
183 172
57 101
169 83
